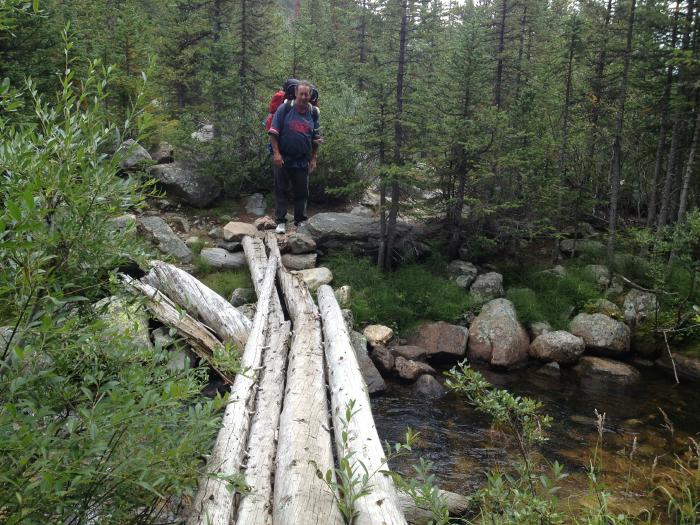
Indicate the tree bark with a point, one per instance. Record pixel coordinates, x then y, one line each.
212 309
300 497
380 506
213 504
498 84
254 249
690 166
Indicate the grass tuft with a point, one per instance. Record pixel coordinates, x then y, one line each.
224 283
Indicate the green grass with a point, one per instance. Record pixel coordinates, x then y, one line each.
224 283
401 299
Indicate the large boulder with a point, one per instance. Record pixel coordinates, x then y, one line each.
185 185
315 277
601 333
559 346
235 231
639 306
360 234
440 339
497 337
462 273
600 369
487 286
222 259
133 155
370 374
164 238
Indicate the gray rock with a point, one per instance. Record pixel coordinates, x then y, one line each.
302 261
551 369
428 387
441 338
538 328
315 277
216 232
204 134
220 258
559 346
235 231
126 319
230 246
603 306
597 368
362 211
497 337
383 358
299 243
616 287
378 334
462 273
373 379
601 274
411 370
255 204
487 286
163 153
602 333
162 338
134 155
241 296
557 271
639 306
185 185
164 238
412 352
180 224
123 222
265 223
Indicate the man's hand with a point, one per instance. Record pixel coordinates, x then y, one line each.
277 160
312 165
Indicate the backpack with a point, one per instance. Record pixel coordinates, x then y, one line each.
288 92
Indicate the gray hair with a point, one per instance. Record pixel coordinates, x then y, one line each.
304 83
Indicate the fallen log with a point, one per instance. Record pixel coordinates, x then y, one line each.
300 497
457 505
255 255
213 504
380 505
255 508
192 295
197 335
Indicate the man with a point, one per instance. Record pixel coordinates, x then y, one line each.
294 134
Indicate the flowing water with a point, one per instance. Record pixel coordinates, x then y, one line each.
462 445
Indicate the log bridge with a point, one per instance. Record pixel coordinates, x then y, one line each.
284 425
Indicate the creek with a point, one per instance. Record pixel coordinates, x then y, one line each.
463 446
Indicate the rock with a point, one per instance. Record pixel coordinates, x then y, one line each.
602 333
134 155
235 231
162 338
255 204
616 287
487 286
370 198
204 134
601 274
382 357
378 334
315 277
639 306
191 241
185 185
603 306
551 369
538 328
123 222
241 296
361 234
557 271
348 317
248 310
164 205
179 224
362 211
410 370
370 374
428 387
300 243
220 258
581 245
126 319
164 238
342 295
607 370
265 223
687 367
216 232
163 153
179 361
462 273
559 346
230 246
441 339
414 353
303 261
497 337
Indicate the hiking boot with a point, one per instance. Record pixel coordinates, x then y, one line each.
281 228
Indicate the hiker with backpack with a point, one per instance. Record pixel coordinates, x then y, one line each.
294 136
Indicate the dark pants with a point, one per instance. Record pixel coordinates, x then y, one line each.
299 179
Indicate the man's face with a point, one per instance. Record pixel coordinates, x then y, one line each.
303 95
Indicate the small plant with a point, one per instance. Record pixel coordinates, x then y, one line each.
224 283
423 491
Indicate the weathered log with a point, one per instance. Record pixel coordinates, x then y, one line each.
197 335
256 508
212 309
380 506
300 497
213 504
457 505
256 257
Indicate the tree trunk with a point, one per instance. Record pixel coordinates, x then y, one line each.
256 257
304 445
348 392
213 504
690 165
498 84
212 309
670 176
617 141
